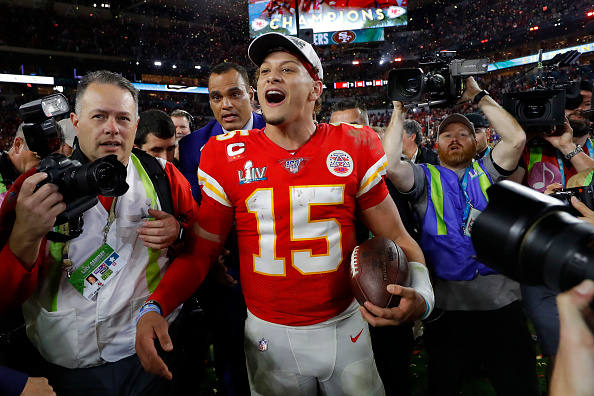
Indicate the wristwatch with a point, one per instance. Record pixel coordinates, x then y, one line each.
575 152
181 236
153 302
480 95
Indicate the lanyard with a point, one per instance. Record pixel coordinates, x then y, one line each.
467 204
562 166
66 262
478 156
111 218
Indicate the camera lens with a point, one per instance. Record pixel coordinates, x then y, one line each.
406 84
412 86
104 175
535 110
545 245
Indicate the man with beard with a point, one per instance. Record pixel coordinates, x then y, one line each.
553 160
477 315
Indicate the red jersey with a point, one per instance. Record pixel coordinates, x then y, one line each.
294 214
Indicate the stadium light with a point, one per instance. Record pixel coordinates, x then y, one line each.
158 63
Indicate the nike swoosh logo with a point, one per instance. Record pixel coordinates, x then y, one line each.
354 339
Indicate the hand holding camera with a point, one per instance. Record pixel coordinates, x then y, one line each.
36 211
78 183
470 91
585 211
562 139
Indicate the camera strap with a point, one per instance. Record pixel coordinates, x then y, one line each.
67 231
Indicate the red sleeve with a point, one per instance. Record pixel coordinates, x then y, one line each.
184 207
187 271
373 197
372 187
16 283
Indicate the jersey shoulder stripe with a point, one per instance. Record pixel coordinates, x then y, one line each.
212 188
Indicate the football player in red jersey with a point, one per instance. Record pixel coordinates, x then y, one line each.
293 190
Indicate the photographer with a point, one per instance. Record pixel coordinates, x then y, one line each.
552 160
87 339
555 158
478 315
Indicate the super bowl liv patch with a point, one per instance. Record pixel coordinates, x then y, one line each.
251 174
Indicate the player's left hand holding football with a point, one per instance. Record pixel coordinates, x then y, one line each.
412 307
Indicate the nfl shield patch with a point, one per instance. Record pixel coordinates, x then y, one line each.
263 345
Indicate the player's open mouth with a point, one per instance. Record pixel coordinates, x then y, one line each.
275 96
230 117
110 144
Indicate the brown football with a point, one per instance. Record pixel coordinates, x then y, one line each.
375 264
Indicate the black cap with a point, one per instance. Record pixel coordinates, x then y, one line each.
477 120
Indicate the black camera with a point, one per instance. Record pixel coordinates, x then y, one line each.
79 184
533 238
537 111
542 108
438 82
584 194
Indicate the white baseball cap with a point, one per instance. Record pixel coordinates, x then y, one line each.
270 42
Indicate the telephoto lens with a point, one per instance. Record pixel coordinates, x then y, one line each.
533 239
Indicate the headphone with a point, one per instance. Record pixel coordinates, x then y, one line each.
187 115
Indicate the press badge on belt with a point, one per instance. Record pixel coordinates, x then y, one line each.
472 215
96 271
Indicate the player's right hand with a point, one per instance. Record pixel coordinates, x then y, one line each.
219 271
36 211
152 326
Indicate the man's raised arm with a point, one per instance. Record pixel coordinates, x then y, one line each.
508 151
399 172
